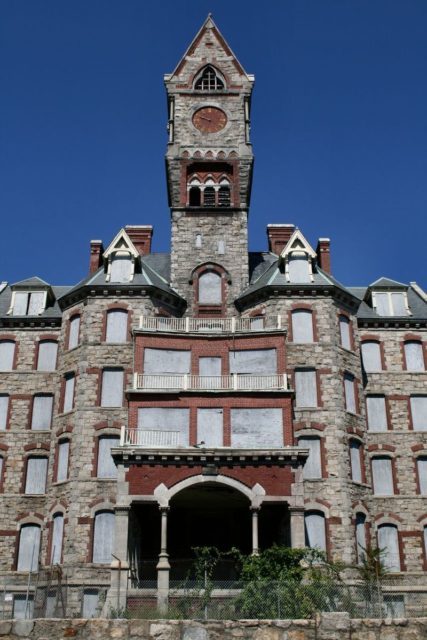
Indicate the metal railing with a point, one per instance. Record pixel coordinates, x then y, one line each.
147 438
232 382
211 325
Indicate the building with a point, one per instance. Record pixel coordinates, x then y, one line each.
209 396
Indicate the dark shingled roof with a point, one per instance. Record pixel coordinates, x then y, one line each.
52 310
34 281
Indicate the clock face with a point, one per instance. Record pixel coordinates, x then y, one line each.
209 119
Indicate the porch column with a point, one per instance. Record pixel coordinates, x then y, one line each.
163 565
297 527
255 548
117 595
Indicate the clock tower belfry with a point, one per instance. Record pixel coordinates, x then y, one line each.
209 164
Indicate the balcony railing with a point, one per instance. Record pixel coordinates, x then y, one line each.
232 382
211 325
149 438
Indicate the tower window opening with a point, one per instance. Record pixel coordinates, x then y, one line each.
209 197
195 197
209 81
224 196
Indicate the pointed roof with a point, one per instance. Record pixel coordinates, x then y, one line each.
121 242
387 283
204 34
297 242
32 282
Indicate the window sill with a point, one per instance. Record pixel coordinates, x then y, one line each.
58 483
34 495
115 344
65 413
72 349
351 351
110 408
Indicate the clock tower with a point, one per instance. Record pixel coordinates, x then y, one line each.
209 164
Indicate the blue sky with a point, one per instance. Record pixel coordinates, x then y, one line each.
339 126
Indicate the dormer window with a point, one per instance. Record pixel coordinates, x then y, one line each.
121 267
120 259
390 303
208 80
298 257
299 268
26 303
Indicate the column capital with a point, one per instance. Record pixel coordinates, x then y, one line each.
163 509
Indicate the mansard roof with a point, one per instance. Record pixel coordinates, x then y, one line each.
416 302
51 312
387 283
31 283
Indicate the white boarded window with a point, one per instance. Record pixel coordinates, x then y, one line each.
382 476
356 460
90 603
315 532
106 467
425 540
209 366
210 288
253 361
419 412
121 269
48 350
422 475
388 539
117 326
305 388
345 334
35 481
414 355
41 419
70 381
112 388
256 428
257 323
74 332
371 356
298 269
63 456
57 538
103 537
29 547
350 398
166 361
313 466
29 304
23 607
4 410
360 537
164 419
302 326
20 305
390 303
7 355
210 427
376 413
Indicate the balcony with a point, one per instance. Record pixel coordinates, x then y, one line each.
211 325
232 382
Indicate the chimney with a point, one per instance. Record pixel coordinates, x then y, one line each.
324 254
141 237
96 251
278 236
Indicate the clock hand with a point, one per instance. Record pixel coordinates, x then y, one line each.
204 118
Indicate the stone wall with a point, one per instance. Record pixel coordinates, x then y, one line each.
332 626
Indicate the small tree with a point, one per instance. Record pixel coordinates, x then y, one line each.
373 570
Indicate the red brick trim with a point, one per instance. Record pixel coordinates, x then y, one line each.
381 447
64 430
417 447
44 446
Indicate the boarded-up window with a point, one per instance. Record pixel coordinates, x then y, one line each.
4 410
163 419
7 355
256 428
35 481
422 475
57 537
298 269
313 466
345 334
360 537
414 355
390 304
117 326
302 326
29 547
305 388
63 455
382 476
253 361
209 366
315 533
166 361
388 540
69 392
257 323
210 427
376 413
112 388
350 399
371 356
103 537
210 288
29 304
356 461
74 331
90 604
121 269
46 360
419 412
41 418
106 466
23 607
425 540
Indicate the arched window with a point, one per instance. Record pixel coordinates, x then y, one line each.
360 537
388 539
4 410
298 268
210 288
35 481
315 530
62 461
117 326
121 268
7 355
209 80
356 460
29 547
46 360
313 466
105 466
414 356
302 326
224 193
422 475
209 197
103 537
74 332
195 197
376 413
57 538
41 418
371 356
382 476
345 332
